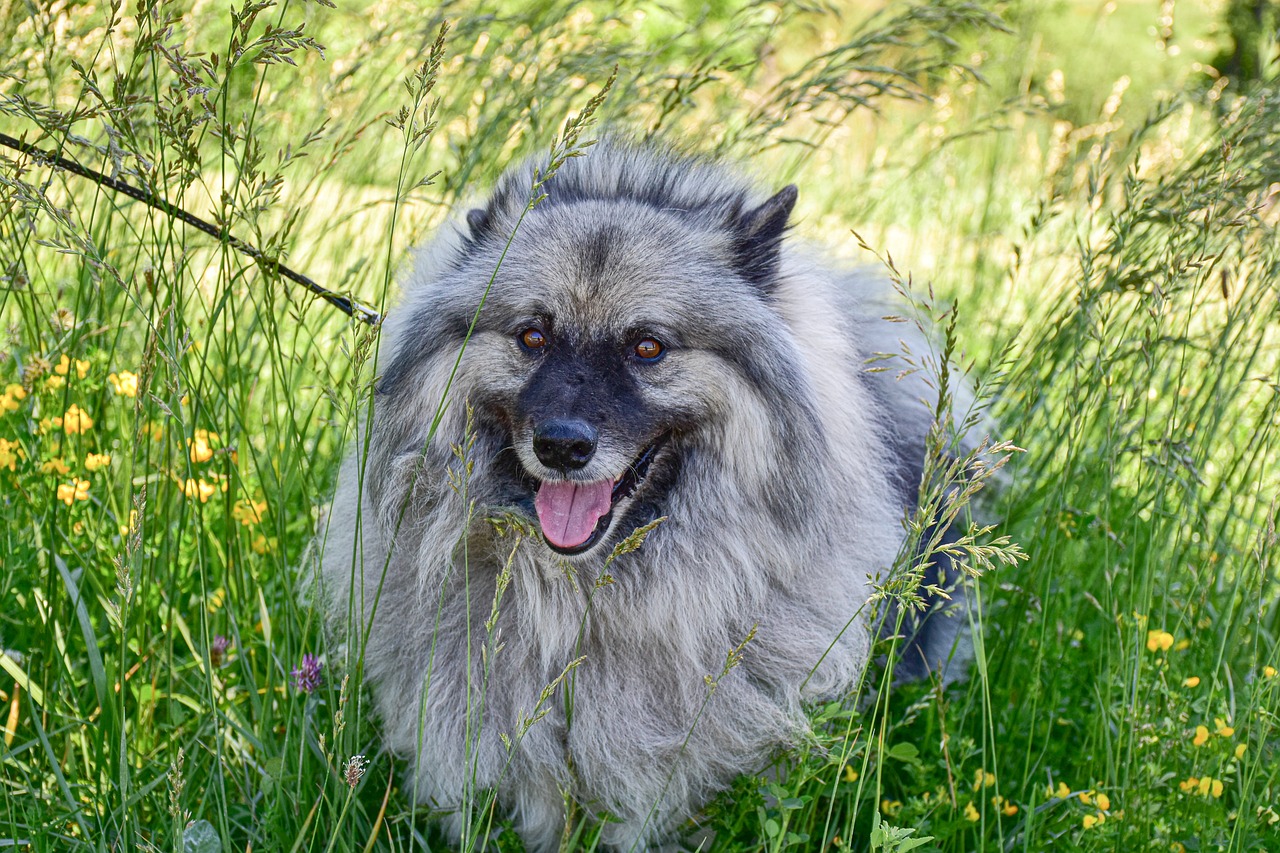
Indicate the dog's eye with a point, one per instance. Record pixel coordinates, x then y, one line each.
647 349
533 339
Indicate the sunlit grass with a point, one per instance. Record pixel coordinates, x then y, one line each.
172 414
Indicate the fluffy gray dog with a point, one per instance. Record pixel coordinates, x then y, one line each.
650 349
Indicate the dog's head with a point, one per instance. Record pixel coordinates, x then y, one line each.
619 324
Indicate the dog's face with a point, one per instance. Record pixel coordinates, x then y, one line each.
609 334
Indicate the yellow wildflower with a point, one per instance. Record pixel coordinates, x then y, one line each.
249 513
1061 793
1189 784
55 383
1159 641
971 814
1090 820
1182 645
124 383
850 775
1005 807
12 394
63 365
983 779
1202 736
10 453
132 525
263 545
1104 802
200 489
1177 847
95 461
890 807
199 447
1086 797
82 369
55 466
1268 672
216 599
76 490
1241 748
1222 728
75 421
1193 681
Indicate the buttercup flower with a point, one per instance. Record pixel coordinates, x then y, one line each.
76 490
1241 748
1005 807
9 400
248 512
1268 672
75 421
1091 820
1202 736
199 448
1193 681
971 814
55 466
1207 786
199 489
1061 793
124 383
10 453
63 367
983 779
95 461
1159 641
1222 728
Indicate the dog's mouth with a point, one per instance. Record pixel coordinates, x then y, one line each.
575 516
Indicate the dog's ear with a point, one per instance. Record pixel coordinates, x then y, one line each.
478 222
757 238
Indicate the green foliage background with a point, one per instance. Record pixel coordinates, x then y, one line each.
1098 203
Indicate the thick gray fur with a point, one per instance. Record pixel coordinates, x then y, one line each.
783 483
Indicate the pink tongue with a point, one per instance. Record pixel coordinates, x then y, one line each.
569 511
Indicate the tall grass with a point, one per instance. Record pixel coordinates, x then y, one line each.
1111 254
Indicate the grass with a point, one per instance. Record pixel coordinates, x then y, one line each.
1099 210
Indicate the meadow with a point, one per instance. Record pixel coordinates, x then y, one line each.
1073 191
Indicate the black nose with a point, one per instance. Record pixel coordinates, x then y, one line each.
565 445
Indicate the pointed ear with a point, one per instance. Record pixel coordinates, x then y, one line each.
478 222
757 239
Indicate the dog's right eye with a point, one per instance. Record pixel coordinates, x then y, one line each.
533 339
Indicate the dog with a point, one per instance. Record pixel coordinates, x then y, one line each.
624 488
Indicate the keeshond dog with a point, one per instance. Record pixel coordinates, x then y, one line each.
648 349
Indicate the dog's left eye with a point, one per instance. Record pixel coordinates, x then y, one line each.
648 349
533 339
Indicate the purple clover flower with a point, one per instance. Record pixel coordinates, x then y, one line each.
307 677
218 650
